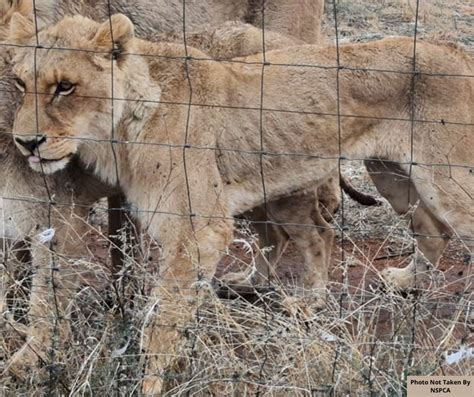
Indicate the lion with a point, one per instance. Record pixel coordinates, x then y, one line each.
287 22
233 40
297 19
192 135
290 217
388 178
238 40
68 190
305 24
29 207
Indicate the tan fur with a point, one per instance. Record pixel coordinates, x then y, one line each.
228 41
75 185
217 174
276 221
295 18
25 213
212 12
431 235
299 19
8 8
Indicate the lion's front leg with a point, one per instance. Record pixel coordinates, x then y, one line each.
191 254
54 283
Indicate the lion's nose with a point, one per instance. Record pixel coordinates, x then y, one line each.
31 144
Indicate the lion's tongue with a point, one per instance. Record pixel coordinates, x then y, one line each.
34 159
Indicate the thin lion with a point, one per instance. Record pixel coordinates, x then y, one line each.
192 135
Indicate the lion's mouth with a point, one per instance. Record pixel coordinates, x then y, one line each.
42 160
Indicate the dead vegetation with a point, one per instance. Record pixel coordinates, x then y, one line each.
365 341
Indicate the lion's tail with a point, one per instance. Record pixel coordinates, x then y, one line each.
354 194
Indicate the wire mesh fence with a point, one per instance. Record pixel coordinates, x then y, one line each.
227 272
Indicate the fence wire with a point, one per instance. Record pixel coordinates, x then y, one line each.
79 322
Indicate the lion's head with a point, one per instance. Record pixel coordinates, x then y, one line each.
68 74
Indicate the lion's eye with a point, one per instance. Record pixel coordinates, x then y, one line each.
20 84
64 88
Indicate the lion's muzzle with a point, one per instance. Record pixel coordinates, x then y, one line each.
30 144
41 155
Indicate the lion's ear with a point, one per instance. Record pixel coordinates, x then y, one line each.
7 8
22 29
24 7
114 34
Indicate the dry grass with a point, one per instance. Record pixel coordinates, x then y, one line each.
451 20
365 342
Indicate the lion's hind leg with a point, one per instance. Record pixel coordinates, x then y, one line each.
444 209
432 238
271 243
301 218
190 261
431 235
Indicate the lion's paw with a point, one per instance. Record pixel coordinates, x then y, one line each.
399 278
304 306
25 359
244 278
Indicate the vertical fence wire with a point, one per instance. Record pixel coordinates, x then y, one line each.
113 55
412 162
54 267
343 265
267 315
199 274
